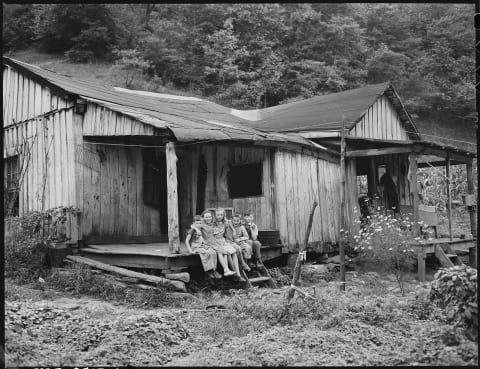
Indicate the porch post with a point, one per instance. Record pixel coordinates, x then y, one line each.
414 190
449 195
471 191
172 198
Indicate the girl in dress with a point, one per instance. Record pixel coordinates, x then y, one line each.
210 239
219 232
196 245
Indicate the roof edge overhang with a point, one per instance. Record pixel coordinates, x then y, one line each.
57 90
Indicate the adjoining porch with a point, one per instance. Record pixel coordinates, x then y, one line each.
369 159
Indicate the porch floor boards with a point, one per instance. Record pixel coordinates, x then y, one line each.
154 255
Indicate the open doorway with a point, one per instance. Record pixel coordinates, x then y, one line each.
155 185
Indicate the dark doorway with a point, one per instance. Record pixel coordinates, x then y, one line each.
201 184
155 184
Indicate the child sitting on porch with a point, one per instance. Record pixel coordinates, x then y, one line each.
252 231
219 232
237 234
210 239
195 244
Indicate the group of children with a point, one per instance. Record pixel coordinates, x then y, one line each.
232 242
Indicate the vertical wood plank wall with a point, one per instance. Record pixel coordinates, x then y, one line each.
301 179
101 121
218 159
113 192
381 121
24 101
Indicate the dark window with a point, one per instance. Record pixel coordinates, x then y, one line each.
12 186
245 180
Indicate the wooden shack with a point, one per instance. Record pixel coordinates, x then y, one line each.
139 165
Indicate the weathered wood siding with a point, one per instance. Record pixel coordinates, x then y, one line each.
101 121
300 179
25 99
381 121
218 159
38 127
113 192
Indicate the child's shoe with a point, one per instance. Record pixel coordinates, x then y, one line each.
228 273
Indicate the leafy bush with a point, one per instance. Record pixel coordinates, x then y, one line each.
455 289
384 243
27 239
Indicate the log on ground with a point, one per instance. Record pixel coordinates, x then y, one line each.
175 285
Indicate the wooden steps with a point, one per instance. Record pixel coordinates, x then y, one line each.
446 256
258 280
262 276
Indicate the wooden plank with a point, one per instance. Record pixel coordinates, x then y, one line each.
414 189
449 195
376 152
139 177
289 176
132 191
6 94
281 196
95 189
77 137
39 164
31 98
422 265
177 285
68 159
115 185
471 191
172 198
104 193
60 167
122 165
444 259
10 96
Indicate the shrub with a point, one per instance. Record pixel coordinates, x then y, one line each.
384 242
455 289
27 238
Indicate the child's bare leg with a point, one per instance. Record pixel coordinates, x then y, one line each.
236 269
223 262
230 262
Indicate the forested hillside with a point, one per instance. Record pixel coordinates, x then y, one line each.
260 55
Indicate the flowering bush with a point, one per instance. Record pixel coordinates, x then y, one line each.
386 244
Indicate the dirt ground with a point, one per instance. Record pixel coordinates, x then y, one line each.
369 324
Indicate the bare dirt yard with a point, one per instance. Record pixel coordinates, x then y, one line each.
369 324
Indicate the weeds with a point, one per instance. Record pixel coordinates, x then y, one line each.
82 281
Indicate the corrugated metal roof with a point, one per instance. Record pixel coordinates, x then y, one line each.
189 119
322 113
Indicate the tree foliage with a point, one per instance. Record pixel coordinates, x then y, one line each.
260 55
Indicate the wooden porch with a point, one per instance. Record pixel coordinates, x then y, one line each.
446 251
155 255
